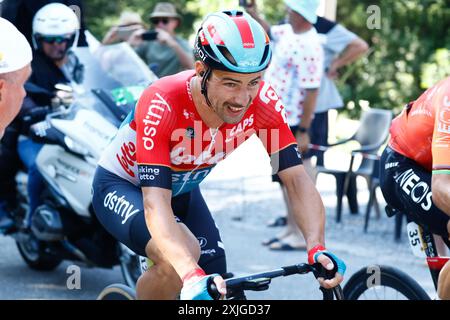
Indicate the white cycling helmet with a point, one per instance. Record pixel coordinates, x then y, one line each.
15 51
55 20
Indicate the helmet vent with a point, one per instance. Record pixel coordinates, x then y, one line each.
265 54
226 53
234 13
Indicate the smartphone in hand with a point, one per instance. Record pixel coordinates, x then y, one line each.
149 35
246 3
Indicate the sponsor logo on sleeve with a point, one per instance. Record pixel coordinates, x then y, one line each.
148 173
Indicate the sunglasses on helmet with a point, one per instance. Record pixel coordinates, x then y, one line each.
54 39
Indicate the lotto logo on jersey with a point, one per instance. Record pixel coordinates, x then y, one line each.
267 94
127 157
148 173
153 119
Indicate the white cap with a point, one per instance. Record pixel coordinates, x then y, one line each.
305 8
15 51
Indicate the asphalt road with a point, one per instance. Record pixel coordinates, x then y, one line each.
242 199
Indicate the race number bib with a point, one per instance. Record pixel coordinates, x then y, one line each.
415 239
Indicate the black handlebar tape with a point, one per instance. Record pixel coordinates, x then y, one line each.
290 270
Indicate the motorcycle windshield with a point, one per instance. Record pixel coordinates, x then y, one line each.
112 66
113 79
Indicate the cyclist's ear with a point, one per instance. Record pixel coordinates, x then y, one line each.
200 69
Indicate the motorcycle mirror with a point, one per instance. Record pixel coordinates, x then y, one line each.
63 87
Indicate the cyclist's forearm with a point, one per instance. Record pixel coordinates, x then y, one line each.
307 206
168 236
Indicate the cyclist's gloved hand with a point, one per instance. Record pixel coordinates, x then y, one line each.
195 285
329 261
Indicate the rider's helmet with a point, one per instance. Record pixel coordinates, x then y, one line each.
15 52
56 22
232 41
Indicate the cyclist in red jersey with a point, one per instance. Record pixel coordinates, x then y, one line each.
146 190
415 166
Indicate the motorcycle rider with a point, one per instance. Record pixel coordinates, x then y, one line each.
55 32
14 71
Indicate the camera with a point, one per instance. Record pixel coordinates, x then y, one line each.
246 3
150 35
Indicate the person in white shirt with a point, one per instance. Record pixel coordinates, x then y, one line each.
341 47
295 73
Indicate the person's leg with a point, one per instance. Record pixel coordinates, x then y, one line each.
279 220
291 238
28 152
444 282
441 246
318 135
201 223
119 208
160 281
407 187
204 241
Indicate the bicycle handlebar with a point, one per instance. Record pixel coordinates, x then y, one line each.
261 281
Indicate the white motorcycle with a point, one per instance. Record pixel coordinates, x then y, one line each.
64 227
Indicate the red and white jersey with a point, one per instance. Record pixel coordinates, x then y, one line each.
165 143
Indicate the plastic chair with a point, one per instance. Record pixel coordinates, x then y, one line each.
372 133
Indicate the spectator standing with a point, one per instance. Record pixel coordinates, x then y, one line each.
341 47
295 73
168 53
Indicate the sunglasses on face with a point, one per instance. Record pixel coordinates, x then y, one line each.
57 39
156 21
